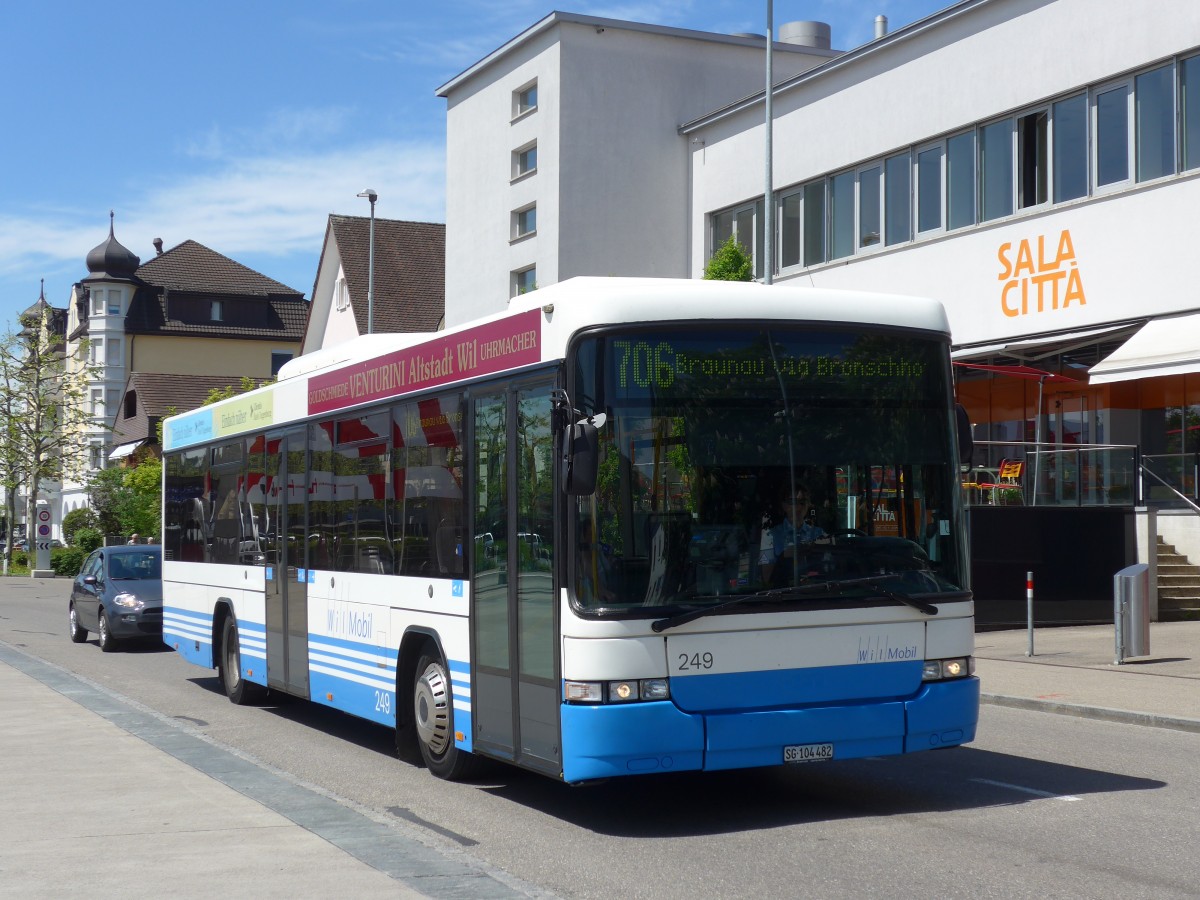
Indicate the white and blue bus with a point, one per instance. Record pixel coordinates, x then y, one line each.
628 526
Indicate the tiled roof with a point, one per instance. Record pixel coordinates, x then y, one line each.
159 396
410 271
180 285
193 267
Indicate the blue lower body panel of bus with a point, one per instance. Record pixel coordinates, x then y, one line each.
609 741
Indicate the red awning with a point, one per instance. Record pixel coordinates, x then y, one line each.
1027 372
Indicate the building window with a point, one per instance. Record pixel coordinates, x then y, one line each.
112 399
115 298
114 352
97 403
995 170
524 161
341 295
1154 105
97 302
870 204
744 224
524 222
96 456
960 180
841 215
897 200
790 209
524 281
131 404
1070 148
1033 159
1189 102
814 223
1112 135
278 358
525 100
929 189
96 352
216 310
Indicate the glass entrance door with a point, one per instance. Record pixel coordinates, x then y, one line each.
514 620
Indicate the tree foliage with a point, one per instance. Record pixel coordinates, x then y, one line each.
216 395
75 520
731 262
42 402
128 500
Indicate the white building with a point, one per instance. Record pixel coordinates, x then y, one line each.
1033 164
563 153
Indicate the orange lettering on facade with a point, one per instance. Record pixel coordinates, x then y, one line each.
1035 282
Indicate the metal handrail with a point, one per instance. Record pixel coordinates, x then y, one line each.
1146 470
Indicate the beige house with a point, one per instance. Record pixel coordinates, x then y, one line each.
161 334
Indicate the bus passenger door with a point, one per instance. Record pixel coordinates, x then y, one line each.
514 620
287 588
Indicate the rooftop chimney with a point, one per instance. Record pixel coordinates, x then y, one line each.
158 246
880 26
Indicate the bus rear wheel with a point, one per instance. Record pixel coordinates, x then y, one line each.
229 667
433 719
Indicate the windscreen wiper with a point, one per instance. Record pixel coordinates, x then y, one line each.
804 590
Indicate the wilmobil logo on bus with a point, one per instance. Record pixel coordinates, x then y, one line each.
880 649
347 622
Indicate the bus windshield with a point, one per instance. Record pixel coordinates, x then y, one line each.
751 460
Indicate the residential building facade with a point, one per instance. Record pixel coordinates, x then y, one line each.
409 286
161 334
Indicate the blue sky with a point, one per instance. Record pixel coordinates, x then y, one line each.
242 125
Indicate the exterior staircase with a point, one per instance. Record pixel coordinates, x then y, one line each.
1178 585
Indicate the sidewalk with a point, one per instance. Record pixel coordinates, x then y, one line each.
1072 671
104 799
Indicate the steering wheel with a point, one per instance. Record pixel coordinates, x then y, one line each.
847 533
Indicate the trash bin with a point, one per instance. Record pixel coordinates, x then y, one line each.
1131 611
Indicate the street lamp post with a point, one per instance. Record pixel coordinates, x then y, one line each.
371 197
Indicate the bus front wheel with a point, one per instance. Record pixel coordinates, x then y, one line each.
433 718
237 688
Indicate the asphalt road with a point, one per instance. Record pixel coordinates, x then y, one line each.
1039 806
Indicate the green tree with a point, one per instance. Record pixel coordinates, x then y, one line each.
75 520
142 501
42 398
106 490
216 395
731 262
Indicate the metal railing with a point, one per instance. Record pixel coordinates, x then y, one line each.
1053 474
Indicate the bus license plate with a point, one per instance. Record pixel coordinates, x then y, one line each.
801 753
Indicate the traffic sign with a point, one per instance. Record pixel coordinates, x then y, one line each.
43 515
44 530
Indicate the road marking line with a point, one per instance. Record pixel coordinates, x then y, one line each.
1026 790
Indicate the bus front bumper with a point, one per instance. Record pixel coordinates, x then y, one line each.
641 738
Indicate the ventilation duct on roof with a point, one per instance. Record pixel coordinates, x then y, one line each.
806 34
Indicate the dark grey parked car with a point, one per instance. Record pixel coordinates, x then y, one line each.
118 595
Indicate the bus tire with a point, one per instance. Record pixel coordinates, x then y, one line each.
433 719
229 666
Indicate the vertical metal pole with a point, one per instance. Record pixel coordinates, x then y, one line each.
371 275
1029 610
768 197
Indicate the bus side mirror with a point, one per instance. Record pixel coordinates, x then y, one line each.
966 440
580 459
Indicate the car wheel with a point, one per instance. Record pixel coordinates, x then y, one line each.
433 717
104 637
229 666
78 634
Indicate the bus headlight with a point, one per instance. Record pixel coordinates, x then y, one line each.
631 691
944 669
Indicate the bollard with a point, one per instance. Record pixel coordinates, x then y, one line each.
1029 610
1131 612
